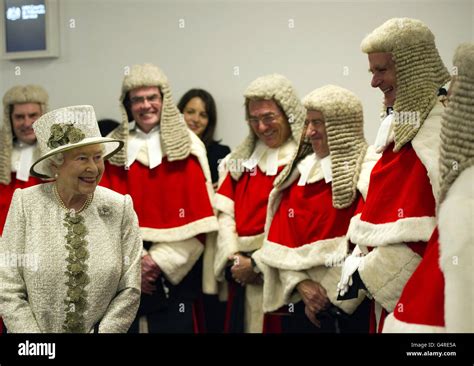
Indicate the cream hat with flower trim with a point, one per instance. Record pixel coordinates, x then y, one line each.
65 129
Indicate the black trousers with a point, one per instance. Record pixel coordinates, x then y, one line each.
298 322
176 317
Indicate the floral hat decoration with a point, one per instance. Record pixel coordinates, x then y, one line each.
66 129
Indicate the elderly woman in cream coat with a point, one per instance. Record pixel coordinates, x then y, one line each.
70 250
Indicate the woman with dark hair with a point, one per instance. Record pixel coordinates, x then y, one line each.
199 110
200 114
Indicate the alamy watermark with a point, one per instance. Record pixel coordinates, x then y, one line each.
15 260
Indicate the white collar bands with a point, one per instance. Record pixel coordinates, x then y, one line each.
384 134
151 141
309 172
326 166
22 159
268 159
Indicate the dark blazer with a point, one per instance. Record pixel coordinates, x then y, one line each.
215 153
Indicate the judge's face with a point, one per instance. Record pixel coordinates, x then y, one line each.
316 133
145 105
268 122
23 116
384 76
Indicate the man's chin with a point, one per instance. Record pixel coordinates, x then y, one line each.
29 140
271 143
148 124
389 102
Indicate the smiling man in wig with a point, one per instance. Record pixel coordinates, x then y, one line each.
275 117
164 168
398 217
22 106
439 295
309 213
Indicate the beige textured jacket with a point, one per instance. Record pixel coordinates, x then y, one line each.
33 265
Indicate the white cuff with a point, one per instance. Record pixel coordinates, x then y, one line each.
176 259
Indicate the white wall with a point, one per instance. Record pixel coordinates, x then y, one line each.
220 35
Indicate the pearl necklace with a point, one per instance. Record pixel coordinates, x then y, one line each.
61 203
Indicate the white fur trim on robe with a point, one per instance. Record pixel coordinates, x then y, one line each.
318 253
280 285
385 272
393 325
406 230
456 240
223 204
226 244
253 317
171 235
427 143
209 281
176 259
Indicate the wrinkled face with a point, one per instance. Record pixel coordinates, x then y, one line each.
316 133
82 169
195 115
384 77
268 122
145 105
23 117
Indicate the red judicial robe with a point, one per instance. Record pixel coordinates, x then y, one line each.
400 208
439 295
172 202
6 194
242 207
306 235
250 197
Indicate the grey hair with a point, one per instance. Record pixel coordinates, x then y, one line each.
55 160
58 159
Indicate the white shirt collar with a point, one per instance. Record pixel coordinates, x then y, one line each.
326 166
306 167
269 159
22 159
150 141
385 134
313 169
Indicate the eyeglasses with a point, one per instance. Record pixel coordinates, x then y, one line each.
313 123
266 120
154 98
